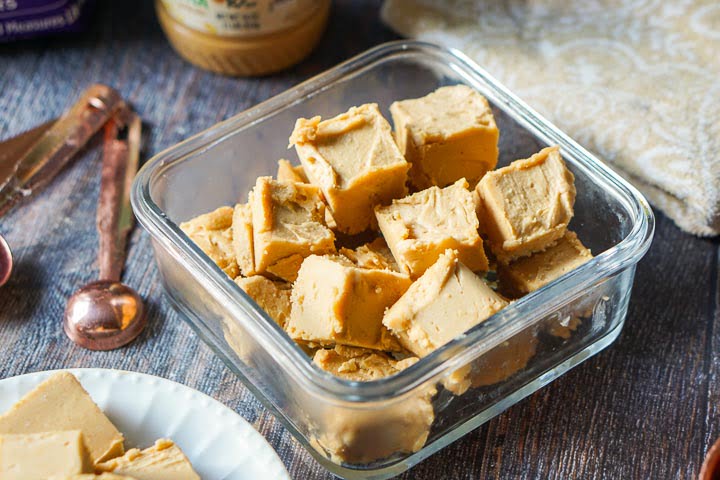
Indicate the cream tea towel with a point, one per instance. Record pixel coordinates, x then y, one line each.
635 81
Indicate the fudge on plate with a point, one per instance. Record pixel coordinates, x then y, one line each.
39 455
446 135
354 160
162 461
61 403
420 227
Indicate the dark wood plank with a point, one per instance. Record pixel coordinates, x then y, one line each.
645 408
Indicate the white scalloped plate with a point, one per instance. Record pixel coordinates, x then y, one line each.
220 444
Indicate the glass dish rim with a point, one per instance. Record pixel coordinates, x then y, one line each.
481 338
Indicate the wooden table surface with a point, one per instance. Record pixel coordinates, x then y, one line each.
647 407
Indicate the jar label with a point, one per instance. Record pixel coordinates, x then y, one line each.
240 18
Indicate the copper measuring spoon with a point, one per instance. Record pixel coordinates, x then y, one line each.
107 314
11 151
6 261
31 160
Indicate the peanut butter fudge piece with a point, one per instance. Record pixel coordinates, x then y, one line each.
564 327
60 403
288 225
38 455
444 302
162 461
336 302
239 340
420 227
504 360
526 206
359 364
355 161
271 296
366 436
446 135
288 173
528 274
375 254
212 232
242 238
363 436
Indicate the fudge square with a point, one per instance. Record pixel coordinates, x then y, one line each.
335 301
40 455
527 274
375 254
444 302
446 135
212 232
526 206
288 224
58 404
162 461
366 435
359 364
420 227
354 160
242 242
286 172
271 296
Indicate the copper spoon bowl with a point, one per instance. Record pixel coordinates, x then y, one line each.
6 261
104 315
711 466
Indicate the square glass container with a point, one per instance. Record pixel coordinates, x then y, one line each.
379 429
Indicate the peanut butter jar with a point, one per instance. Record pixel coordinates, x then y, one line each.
243 37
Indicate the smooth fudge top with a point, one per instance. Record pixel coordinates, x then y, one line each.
354 160
444 113
444 302
39 455
61 403
526 206
334 301
420 227
446 135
